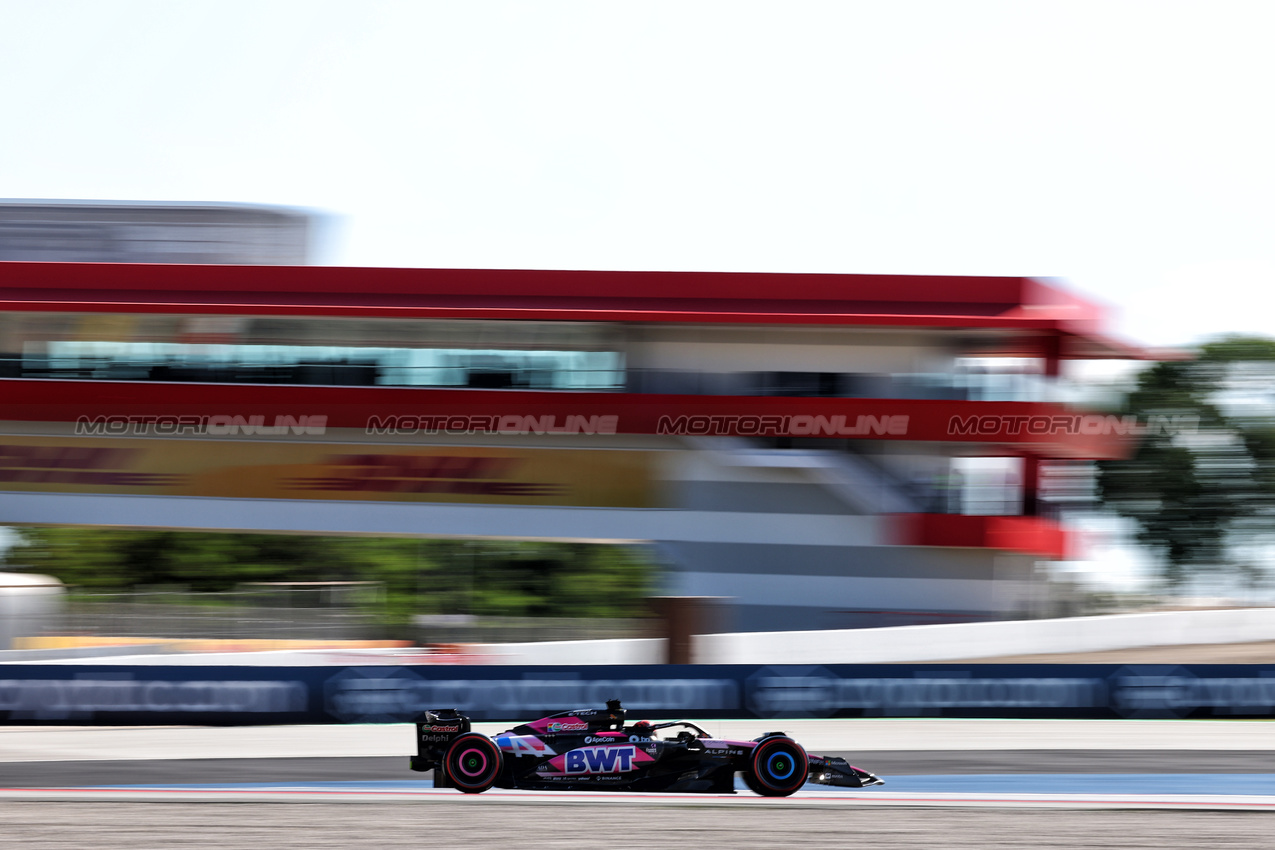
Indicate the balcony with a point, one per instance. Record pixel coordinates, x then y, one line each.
1025 534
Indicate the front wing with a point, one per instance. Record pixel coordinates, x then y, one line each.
834 770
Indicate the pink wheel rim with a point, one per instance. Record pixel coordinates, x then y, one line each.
472 762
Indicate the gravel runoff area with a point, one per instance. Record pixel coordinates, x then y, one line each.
466 823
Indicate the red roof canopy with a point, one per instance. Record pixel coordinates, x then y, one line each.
601 296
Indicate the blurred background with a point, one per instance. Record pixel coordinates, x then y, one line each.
1115 145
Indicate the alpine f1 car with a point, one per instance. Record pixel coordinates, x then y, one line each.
593 750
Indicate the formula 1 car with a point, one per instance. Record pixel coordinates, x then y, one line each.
592 750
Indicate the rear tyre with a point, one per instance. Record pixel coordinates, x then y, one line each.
472 763
777 767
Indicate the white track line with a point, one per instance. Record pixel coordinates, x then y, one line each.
503 797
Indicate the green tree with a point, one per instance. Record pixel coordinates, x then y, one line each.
1197 495
418 576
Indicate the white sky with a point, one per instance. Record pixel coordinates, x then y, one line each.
1127 147
1123 146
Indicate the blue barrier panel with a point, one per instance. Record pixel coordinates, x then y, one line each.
144 694
124 695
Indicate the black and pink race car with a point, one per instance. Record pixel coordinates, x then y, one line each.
593 750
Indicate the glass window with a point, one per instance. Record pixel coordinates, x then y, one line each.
312 350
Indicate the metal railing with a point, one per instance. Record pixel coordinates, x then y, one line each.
463 628
251 615
231 615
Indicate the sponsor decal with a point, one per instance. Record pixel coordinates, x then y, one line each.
818 692
568 726
524 745
481 699
310 468
87 694
437 729
600 739
598 760
455 475
512 423
80 466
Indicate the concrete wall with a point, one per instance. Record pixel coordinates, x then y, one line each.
906 644
984 640
28 604
636 651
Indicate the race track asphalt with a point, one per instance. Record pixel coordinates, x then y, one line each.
989 818
63 774
474 823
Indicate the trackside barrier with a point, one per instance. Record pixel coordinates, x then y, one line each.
957 641
574 652
154 695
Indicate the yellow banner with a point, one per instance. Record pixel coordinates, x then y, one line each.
233 469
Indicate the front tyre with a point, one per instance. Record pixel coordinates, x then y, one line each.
472 763
777 767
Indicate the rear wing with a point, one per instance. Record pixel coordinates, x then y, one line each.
435 729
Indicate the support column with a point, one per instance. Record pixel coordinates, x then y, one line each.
1051 351
1031 485
682 618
